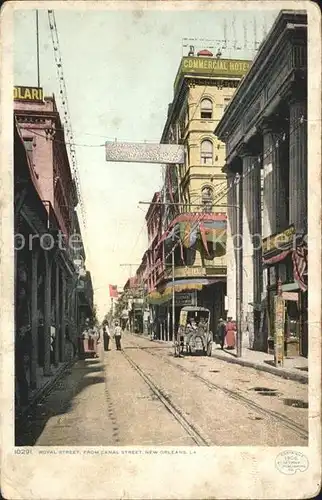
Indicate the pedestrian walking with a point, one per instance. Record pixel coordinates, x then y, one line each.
221 332
231 333
106 337
117 335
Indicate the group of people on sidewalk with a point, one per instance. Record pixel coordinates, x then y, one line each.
117 335
226 333
90 338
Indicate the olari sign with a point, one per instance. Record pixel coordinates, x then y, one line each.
28 93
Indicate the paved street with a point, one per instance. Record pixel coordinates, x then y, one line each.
144 396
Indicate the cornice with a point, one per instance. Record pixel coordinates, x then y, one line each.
270 63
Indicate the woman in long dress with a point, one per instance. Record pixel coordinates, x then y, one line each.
230 336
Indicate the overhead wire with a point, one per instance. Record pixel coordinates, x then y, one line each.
65 106
222 196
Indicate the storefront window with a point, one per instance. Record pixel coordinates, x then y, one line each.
282 272
272 275
292 321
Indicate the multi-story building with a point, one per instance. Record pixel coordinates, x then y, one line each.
194 192
47 265
265 131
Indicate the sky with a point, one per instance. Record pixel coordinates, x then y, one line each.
119 69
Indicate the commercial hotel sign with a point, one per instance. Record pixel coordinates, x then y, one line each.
209 66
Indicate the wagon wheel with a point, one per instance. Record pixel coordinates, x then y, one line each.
209 348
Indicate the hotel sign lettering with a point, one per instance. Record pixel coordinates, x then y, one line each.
229 68
277 241
218 66
28 93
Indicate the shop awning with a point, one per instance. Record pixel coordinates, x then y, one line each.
156 298
183 285
277 258
189 284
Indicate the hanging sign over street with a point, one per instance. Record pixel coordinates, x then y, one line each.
28 93
135 152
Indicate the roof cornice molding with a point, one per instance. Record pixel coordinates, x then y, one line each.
286 22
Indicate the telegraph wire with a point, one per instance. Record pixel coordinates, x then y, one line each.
64 102
59 141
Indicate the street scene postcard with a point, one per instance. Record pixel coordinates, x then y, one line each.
160 250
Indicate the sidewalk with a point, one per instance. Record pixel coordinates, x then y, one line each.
74 411
294 368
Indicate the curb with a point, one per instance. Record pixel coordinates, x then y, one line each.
43 392
279 372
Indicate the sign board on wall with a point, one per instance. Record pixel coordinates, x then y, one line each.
184 299
28 93
290 296
189 271
278 241
279 319
229 68
132 152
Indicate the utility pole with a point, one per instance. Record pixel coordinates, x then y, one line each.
37 38
239 274
173 292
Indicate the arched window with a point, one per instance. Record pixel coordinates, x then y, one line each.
206 109
207 196
206 152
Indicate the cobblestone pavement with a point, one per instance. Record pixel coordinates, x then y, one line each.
144 396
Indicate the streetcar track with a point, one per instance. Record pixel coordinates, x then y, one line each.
282 419
196 434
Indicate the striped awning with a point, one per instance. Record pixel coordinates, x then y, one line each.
183 285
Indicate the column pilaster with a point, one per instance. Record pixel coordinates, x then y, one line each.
57 313
63 318
230 250
298 165
47 312
269 160
274 193
249 167
34 318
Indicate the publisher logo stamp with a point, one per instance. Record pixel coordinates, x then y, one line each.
289 462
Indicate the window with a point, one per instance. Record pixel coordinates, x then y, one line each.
206 152
29 148
206 109
207 196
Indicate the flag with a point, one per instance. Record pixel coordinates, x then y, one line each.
113 291
213 237
299 266
188 233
